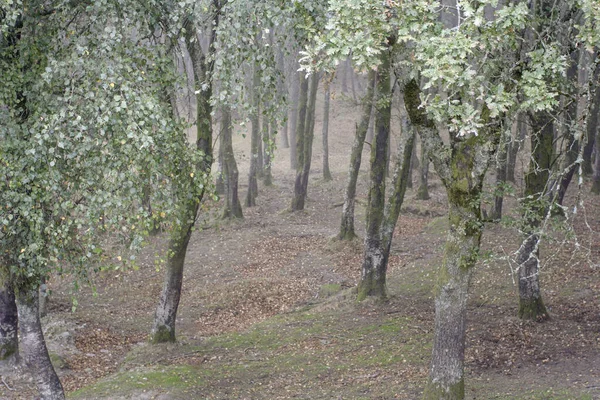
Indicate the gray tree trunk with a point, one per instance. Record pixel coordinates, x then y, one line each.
514 147
531 305
282 89
344 68
33 346
302 138
232 208
347 224
592 128
501 161
220 181
596 179
163 328
296 100
326 171
255 149
267 149
423 190
9 342
372 280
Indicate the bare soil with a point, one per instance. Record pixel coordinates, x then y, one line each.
268 309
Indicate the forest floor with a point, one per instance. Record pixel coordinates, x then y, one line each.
268 309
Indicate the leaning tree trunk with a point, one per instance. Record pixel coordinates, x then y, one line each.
33 346
255 150
347 224
232 207
304 139
326 171
531 305
423 190
9 342
163 328
267 149
372 280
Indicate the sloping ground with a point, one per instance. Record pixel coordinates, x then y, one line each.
268 309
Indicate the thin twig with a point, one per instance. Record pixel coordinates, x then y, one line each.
6 384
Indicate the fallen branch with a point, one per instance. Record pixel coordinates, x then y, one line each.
6 384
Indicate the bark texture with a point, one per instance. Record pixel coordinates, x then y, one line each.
33 347
531 305
373 279
232 207
501 161
296 100
9 343
347 224
423 190
326 101
304 139
267 149
255 150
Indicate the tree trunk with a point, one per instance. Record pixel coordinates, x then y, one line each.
347 225
304 134
592 128
372 280
163 329
514 147
501 160
9 342
43 303
371 129
535 204
220 181
33 346
414 160
267 148
596 179
352 80
232 208
282 89
344 68
255 149
326 171
296 100
423 190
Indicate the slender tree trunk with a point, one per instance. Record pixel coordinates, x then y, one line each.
267 149
514 147
501 160
592 128
302 138
347 224
423 190
282 89
371 129
352 80
596 179
326 171
255 149
372 280
531 305
163 329
33 346
232 208
296 101
414 160
9 343
220 182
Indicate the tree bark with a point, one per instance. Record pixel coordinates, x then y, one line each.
282 88
344 68
423 190
9 342
592 128
596 179
232 207
326 171
304 138
163 329
514 147
501 161
296 100
347 224
267 149
255 150
531 305
372 280
33 346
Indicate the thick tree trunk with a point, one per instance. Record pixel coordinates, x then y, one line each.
372 280
267 148
304 138
531 305
296 100
347 224
326 171
232 208
423 190
33 346
255 149
9 342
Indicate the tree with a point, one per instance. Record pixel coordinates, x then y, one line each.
326 101
81 113
232 207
